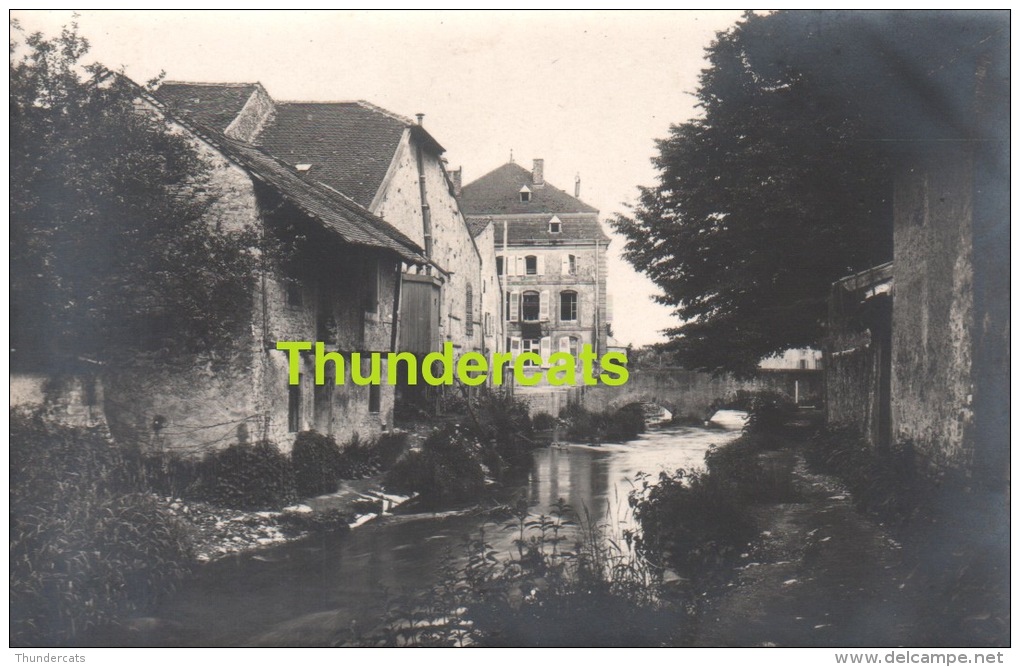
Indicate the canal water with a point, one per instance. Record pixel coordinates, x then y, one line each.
316 591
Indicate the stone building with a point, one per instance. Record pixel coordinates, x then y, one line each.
318 292
797 373
551 254
919 347
391 166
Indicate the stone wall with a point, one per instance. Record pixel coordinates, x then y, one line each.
684 393
933 316
399 203
491 305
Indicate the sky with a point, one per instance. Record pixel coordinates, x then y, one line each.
587 91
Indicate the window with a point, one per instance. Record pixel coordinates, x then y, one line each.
294 408
499 265
469 311
532 345
568 265
525 193
374 398
294 295
554 225
568 306
530 305
531 265
803 364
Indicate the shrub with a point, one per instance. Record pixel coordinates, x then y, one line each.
389 448
543 421
316 459
692 523
503 424
447 468
620 425
751 475
358 459
592 593
768 415
170 474
84 549
249 476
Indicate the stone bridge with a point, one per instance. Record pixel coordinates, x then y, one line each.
684 393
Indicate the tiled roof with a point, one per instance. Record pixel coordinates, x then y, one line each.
477 225
535 229
353 223
349 144
214 105
498 193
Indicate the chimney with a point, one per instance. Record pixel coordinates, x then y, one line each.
577 186
455 177
420 117
538 172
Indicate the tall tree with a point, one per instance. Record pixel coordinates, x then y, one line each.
112 249
781 186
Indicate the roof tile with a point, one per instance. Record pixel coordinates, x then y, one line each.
498 193
349 144
214 105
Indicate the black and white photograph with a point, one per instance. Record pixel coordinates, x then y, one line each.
510 328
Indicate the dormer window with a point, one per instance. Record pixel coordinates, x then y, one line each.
554 225
525 193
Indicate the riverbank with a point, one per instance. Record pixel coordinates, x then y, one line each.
218 532
826 574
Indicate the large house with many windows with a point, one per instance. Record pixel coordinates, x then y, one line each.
551 255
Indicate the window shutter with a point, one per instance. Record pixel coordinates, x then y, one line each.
515 306
540 265
565 344
543 306
515 345
565 265
545 347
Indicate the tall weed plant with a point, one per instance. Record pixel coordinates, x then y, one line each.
85 547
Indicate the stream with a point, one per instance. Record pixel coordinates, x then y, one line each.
313 591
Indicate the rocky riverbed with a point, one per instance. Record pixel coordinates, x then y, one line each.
218 532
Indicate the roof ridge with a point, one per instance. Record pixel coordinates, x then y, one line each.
386 112
235 84
317 102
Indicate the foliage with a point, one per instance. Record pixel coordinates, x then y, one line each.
955 537
113 246
173 475
603 426
85 549
249 476
316 459
543 421
782 185
768 416
751 473
692 523
564 585
448 467
389 447
502 424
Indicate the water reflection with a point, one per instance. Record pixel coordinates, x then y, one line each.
312 592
